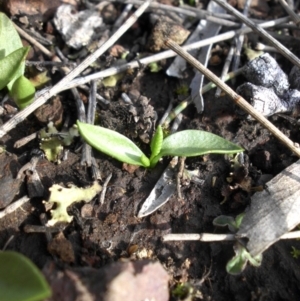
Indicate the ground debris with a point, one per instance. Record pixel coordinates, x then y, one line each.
273 212
77 28
64 197
9 185
61 247
128 281
174 31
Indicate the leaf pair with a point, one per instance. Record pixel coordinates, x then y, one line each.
239 261
12 64
187 143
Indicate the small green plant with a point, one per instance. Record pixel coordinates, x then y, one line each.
188 143
295 252
20 279
239 261
12 64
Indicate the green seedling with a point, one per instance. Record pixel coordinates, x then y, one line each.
182 291
20 279
239 262
295 252
183 90
188 143
12 64
232 224
154 67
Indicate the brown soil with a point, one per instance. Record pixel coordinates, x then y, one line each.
100 235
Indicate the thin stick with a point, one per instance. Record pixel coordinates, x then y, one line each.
261 32
194 13
184 104
168 110
14 206
122 17
239 40
104 187
43 220
166 54
39 229
240 101
32 40
8 242
200 237
86 158
226 66
216 237
292 14
65 85
25 140
19 117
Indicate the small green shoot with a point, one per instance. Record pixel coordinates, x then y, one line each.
187 143
20 279
295 252
239 262
22 92
183 90
182 291
12 64
233 224
154 67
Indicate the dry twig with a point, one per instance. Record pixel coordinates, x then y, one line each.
19 117
240 101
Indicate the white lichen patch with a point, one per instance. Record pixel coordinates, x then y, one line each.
76 28
63 197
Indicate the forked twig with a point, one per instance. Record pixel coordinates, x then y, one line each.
240 101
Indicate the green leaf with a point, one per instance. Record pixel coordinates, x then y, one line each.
233 224
156 142
113 144
10 66
10 42
239 219
239 262
192 143
22 92
9 37
20 279
224 220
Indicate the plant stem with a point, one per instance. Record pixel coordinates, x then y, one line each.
240 101
14 206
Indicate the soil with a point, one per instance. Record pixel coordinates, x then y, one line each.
104 234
